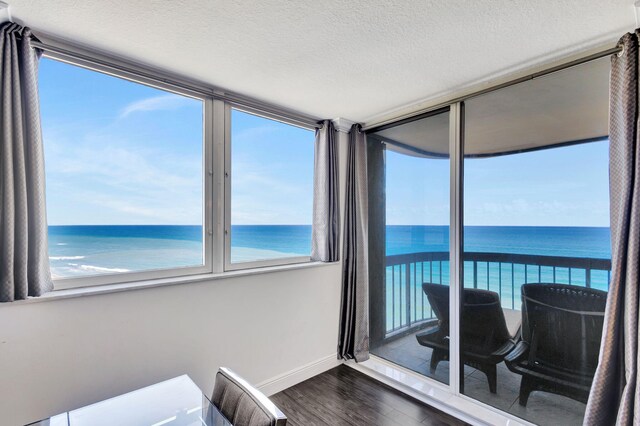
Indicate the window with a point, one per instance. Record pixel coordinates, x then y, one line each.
150 179
271 191
124 164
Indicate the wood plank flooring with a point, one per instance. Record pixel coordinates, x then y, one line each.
344 396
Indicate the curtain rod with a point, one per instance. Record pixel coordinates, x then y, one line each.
202 90
618 50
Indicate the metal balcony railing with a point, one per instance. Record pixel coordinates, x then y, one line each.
407 307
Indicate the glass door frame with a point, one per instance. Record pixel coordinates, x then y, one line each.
448 397
456 146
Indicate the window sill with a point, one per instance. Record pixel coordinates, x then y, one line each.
161 282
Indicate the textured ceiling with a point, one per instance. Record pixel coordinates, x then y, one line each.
353 59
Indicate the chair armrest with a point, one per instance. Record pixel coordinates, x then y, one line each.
518 353
505 349
431 330
431 334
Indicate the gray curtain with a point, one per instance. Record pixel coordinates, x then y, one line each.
615 397
24 262
353 340
326 220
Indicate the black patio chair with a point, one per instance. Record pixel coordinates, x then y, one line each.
561 333
484 336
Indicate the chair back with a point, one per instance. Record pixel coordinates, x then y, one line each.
242 404
562 325
483 325
438 296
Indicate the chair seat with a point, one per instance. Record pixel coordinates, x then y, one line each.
432 337
518 362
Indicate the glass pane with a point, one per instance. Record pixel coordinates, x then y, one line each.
410 292
536 244
124 173
271 189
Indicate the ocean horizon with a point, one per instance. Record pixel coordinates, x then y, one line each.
82 250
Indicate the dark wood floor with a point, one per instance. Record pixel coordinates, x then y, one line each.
344 396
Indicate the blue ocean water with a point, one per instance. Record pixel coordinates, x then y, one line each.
505 278
99 249
89 250
590 242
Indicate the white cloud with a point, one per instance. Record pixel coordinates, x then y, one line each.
129 185
157 103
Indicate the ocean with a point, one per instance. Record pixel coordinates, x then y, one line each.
504 278
91 250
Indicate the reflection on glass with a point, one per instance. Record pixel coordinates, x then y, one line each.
176 401
410 323
271 189
536 244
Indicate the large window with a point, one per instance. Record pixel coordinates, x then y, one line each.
124 164
271 189
147 179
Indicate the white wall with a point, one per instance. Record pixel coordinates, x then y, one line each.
66 353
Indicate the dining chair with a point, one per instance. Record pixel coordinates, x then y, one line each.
242 404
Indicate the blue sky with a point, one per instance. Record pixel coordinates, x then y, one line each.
271 172
566 186
118 152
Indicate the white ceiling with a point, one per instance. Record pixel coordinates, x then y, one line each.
354 59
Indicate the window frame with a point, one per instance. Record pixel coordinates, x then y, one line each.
207 141
450 397
234 266
216 168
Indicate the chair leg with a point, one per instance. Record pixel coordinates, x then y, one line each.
526 387
492 377
491 372
436 357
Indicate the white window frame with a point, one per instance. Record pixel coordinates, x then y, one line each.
234 266
216 166
207 183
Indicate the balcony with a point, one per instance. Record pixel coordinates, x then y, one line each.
406 311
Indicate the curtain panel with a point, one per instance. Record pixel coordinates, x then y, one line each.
615 397
326 219
24 259
353 337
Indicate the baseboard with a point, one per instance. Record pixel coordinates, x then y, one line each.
299 374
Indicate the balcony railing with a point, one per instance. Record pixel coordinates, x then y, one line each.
407 307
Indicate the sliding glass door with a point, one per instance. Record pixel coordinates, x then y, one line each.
409 238
536 243
489 243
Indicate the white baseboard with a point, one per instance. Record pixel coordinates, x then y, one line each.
299 374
